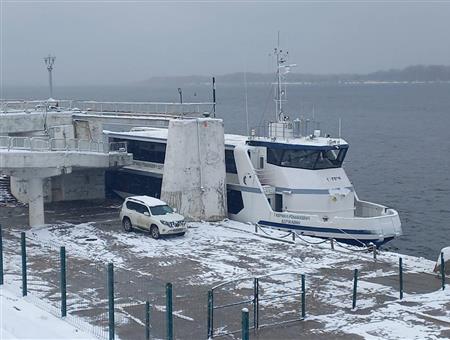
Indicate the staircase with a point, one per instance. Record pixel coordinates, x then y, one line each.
5 193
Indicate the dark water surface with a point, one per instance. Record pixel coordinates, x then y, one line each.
398 134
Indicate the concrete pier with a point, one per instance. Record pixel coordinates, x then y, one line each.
30 168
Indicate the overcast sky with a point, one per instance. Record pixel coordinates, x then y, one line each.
120 42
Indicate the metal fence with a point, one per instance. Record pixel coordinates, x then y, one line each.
100 299
105 300
257 295
56 144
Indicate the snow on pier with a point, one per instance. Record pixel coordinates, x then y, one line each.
211 253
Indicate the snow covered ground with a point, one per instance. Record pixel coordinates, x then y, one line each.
212 253
21 319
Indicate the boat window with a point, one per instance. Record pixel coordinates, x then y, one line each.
161 210
330 159
306 158
278 203
234 201
274 156
147 151
230 163
132 184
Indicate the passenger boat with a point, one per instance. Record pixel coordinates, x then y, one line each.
289 180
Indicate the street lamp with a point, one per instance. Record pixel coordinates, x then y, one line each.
49 61
180 92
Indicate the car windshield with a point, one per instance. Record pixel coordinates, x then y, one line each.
161 210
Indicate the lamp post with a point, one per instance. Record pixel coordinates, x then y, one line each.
49 61
180 92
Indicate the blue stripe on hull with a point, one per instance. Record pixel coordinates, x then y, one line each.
351 241
316 229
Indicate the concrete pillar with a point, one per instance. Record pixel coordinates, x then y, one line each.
36 201
194 169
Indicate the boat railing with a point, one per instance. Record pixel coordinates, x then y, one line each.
369 209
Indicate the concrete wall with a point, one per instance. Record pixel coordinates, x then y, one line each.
88 130
194 169
79 185
62 132
11 123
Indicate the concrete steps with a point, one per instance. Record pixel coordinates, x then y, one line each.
6 198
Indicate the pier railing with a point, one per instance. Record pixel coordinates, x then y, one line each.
41 144
105 107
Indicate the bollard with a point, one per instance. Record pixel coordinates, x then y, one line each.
355 287
24 263
1 256
169 310
256 228
303 297
147 320
245 324
255 303
293 236
111 300
63 283
210 312
442 270
374 252
400 276
332 244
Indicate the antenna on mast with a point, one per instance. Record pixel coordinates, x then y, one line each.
49 61
282 70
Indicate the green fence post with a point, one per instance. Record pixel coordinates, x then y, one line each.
210 307
442 270
1 256
355 287
111 300
169 310
400 276
147 320
24 263
63 283
303 297
255 303
245 324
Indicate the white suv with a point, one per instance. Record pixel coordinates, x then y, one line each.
151 214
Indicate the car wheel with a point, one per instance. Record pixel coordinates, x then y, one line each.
154 232
182 234
126 223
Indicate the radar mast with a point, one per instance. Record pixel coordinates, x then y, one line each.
282 70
